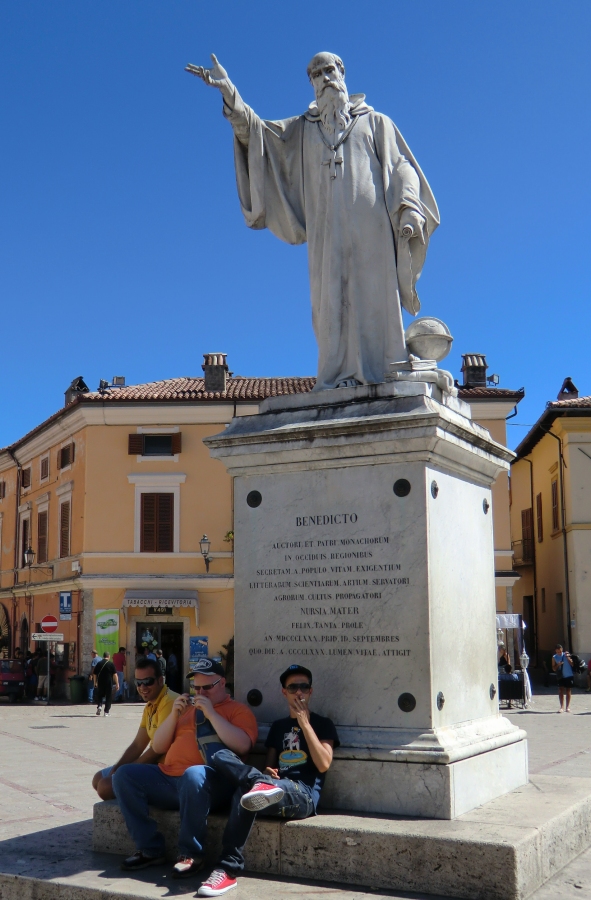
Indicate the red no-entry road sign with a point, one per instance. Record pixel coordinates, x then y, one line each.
49 624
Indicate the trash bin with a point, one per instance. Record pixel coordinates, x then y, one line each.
78 693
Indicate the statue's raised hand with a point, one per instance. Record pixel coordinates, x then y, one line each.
216 76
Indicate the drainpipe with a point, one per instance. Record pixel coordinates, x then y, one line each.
561 464
531 493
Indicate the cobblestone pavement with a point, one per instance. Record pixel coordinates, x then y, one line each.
49 754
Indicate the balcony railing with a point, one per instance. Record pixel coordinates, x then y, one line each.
523 552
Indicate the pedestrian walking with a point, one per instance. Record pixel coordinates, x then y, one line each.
562 664
119 660
43 678
161 662
95 660
106 682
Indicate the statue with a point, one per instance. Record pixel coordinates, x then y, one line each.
342 178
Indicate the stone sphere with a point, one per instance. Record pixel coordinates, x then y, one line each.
428 338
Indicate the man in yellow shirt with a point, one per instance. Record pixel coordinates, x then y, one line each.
184 780
159 700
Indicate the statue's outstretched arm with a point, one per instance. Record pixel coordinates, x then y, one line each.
215 77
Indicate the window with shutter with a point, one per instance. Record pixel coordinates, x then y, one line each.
65 456
135 444
527 535
44 468
539 519
2 490
65 528
154 444
26 477
42 537
555 525
157 525
25 540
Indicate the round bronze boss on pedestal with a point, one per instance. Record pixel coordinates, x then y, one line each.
402 487
407 702
254 697
254 499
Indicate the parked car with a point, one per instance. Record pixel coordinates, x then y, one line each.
12 679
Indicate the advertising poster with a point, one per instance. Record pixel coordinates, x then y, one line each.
197 648
107 631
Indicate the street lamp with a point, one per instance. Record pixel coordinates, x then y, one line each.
29 555
524 659
204 544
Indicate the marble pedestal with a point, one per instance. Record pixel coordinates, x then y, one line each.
364 550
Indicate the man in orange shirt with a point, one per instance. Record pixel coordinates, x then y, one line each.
183 780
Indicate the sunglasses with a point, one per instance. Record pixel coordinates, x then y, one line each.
206 687
145 682
302 686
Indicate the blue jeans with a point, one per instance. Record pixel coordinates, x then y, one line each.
199 791
119 685
297 803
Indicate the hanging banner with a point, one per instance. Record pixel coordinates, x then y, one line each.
107 631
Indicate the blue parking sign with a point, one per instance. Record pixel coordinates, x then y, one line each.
65 605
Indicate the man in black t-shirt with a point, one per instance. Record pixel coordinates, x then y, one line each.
299 753
106 681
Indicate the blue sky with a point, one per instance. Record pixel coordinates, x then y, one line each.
122 246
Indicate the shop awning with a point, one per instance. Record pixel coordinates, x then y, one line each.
175 598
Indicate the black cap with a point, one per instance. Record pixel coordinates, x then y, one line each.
295 669
206 666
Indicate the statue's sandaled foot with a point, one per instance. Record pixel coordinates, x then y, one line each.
348 382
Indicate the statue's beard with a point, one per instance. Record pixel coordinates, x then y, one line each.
333 106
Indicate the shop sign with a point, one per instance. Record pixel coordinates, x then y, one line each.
159 611
65 606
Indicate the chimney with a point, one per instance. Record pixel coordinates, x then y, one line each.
215 372
78 386
568 391
474 370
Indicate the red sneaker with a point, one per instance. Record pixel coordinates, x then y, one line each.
261 795
218 883
186 866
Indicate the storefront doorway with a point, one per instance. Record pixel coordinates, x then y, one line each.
168 636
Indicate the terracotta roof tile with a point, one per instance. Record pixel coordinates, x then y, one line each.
179 389
573 403
489 393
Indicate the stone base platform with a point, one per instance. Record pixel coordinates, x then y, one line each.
501 851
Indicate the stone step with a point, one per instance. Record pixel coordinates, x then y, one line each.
501 851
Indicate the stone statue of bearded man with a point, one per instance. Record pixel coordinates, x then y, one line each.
342 178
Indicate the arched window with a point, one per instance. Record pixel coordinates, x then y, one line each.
24 644
4 632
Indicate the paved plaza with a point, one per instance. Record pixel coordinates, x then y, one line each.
50 754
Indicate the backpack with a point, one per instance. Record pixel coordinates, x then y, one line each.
579 665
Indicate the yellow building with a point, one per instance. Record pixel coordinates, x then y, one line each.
551 525
491 407
113 494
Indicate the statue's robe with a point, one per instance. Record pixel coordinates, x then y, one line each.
361 269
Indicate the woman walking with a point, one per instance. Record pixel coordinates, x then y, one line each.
562 664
